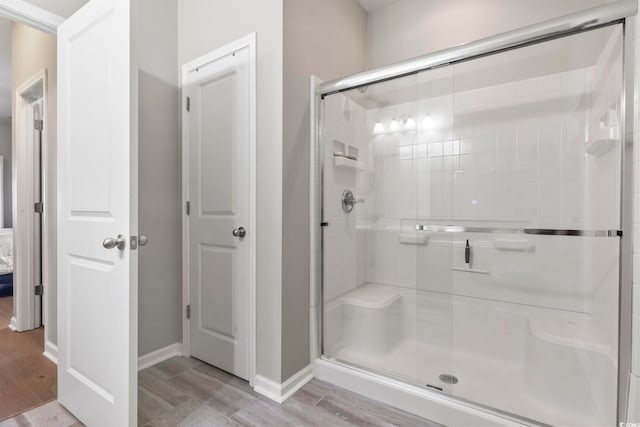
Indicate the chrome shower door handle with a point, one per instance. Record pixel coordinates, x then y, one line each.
119 242
239 232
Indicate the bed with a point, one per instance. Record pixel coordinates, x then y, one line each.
6 262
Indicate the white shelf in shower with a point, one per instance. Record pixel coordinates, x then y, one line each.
339 161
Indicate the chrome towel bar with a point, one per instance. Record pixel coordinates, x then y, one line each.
535 231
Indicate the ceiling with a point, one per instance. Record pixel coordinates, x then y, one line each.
371 5
64 8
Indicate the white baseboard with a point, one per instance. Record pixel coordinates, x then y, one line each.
281 392
13 324
148 360
633 412
51 351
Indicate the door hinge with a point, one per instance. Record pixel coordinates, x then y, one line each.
188 208
38 124
188 104
38 207
39 290
188 309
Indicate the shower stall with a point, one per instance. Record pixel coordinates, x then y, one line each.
470 230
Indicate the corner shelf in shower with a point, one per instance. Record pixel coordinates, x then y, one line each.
339 161
346 155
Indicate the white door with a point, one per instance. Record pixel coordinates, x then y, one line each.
218 138
97 200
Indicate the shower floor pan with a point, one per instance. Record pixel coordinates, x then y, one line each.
548 365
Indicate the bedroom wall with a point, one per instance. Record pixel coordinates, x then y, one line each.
32 51
5 151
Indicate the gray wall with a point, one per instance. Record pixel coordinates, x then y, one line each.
409 28
204 25
5 150
32 51
328 39
160 262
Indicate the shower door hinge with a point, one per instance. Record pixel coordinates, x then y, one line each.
188 104
38 124
38 207
39 290
188 207
188 310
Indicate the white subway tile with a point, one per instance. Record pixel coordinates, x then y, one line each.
467 145
487 160
451 147
405 152
468 161
486 143
435 149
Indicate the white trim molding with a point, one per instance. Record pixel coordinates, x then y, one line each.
51 351
26 304
165 353
28 14
13 323
633 411
281 392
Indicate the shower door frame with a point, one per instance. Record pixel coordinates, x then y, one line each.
622 13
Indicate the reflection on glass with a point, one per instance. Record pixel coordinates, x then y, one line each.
527 139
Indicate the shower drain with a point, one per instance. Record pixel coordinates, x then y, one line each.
448 378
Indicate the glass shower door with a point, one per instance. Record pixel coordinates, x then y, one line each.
532 252
376 166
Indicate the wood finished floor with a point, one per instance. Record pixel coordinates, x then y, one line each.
27 378
186 392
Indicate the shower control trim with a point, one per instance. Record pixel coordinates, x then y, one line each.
349 201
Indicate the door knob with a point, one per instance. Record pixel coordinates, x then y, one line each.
240 232
119 242
143 240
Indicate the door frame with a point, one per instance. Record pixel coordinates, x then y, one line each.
25 306
25 13
249 42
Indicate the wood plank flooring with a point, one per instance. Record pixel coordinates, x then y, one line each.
186 392
27 378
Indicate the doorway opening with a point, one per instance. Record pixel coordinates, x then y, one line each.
27 352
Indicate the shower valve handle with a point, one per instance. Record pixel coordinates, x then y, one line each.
349 201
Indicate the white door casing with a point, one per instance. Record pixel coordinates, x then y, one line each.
97 199
29 227
219 150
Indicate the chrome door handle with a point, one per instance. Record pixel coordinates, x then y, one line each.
239 232
119 242
142 240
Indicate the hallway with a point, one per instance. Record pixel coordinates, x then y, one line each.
27 378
